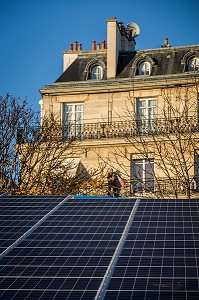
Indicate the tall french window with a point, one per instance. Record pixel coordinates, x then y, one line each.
143 174
146 115
72 120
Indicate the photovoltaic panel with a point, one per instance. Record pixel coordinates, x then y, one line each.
146 249
20 213
68 255
160 258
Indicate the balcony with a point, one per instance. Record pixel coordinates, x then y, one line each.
164 186
133 128
120 129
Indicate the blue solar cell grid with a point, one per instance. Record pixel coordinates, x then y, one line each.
78 240
18 214
160 258
68 254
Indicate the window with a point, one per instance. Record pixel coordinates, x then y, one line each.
146 115
72 120
96 72
143 174
193 64
144 68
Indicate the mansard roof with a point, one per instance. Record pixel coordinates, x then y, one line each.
164 61
77 71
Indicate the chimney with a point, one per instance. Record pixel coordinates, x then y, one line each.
98 46
113 47
103 44
166 44
79 47
93 45
75 46
71 47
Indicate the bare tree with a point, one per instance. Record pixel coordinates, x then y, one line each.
14 115
171 138
47 159
34 158
166 139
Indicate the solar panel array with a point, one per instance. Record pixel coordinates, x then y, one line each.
160 258
57 247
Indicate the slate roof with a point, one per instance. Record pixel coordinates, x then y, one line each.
165 61
76 71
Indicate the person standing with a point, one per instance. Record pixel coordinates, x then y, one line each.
114 186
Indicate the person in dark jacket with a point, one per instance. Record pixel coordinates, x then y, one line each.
114 185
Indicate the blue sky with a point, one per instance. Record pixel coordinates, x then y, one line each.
34 34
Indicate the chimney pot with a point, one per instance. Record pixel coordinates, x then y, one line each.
98 46
75 45
93 45
79 47
166 41
103 44
71 47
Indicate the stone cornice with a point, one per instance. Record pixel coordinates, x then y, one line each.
137 82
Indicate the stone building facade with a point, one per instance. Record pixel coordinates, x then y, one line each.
122 104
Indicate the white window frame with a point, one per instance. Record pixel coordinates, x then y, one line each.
146 114
144 68
72 119
140 181
96 72
193 64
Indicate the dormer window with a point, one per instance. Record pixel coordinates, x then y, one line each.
142 65
190 61
193 64
144 68
96 72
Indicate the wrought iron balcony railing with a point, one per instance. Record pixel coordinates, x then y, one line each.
120 129
165 185
131 128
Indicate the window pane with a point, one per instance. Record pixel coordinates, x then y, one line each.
146 115
141 109
96 72
99 73
93 73
72 120
67 114
138 169
138 174
144 68
149 174
143 174
193 64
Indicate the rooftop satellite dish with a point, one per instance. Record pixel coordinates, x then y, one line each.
133 29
